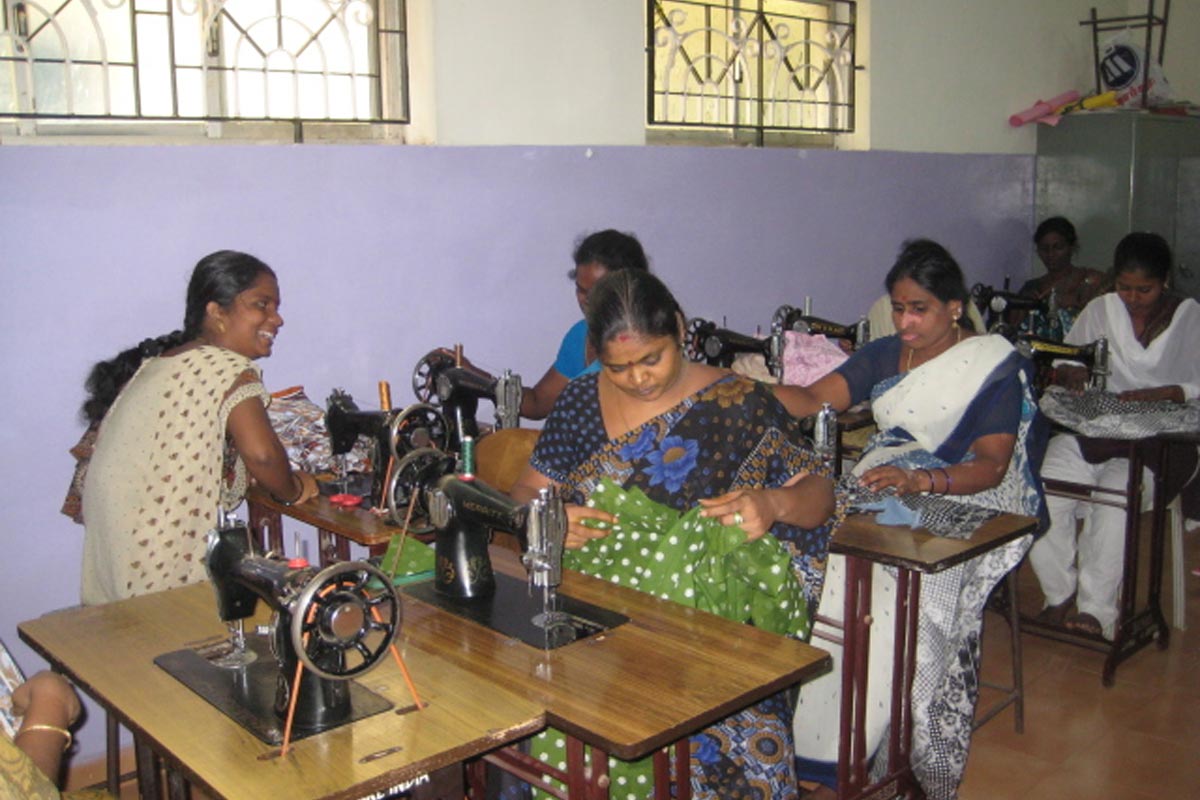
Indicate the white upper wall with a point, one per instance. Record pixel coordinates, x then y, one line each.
941 75
539 72
946 74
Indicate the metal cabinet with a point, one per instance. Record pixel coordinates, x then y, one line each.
1121 171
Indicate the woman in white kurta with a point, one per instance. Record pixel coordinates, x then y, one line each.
1152 336
182 418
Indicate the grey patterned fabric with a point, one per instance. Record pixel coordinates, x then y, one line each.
1104 415
939 515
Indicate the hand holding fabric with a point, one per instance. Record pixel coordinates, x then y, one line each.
888 476
585 523
748 509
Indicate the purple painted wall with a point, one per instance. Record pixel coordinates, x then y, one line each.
386 252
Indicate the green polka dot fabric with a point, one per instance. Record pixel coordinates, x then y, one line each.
693 561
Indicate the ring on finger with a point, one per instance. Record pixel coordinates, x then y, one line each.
738 519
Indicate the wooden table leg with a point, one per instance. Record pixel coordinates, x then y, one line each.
853 758
683 770
177 785
149 785
112 754
851 768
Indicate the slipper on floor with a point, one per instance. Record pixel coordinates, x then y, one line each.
1085 623
1056 615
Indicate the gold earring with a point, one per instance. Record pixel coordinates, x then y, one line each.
221 327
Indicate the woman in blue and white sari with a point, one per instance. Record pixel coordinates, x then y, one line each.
959 431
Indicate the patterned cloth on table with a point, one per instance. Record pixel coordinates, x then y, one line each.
300 425
1104 415
808 357
732 434
938 514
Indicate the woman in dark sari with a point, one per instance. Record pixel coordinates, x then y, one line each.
678 457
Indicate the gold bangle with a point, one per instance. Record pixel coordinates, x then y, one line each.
53 728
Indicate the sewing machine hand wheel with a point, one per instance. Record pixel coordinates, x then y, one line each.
409 477
693 338
424 379
338 619
418 426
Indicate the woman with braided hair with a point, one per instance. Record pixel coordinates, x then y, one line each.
182 419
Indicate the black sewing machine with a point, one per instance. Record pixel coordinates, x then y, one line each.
438 380
393 433
704 341
1043 352
337 623
788 318
995 303
463 510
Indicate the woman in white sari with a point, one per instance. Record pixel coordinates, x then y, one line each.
957 418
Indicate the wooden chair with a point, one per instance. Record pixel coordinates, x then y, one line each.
501 456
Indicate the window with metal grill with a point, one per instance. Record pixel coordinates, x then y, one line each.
228 61
771 66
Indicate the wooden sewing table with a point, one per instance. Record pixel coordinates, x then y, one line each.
109 652
864 543
1136 627
630 692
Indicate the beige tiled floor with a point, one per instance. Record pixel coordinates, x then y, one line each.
1138 739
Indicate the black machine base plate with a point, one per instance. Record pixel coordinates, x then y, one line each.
514 611
247 694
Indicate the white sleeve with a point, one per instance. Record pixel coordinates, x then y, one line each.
1089 325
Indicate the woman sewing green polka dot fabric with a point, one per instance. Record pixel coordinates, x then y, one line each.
662 461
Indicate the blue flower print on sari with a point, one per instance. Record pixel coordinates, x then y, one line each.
641 447
705 748
672 462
